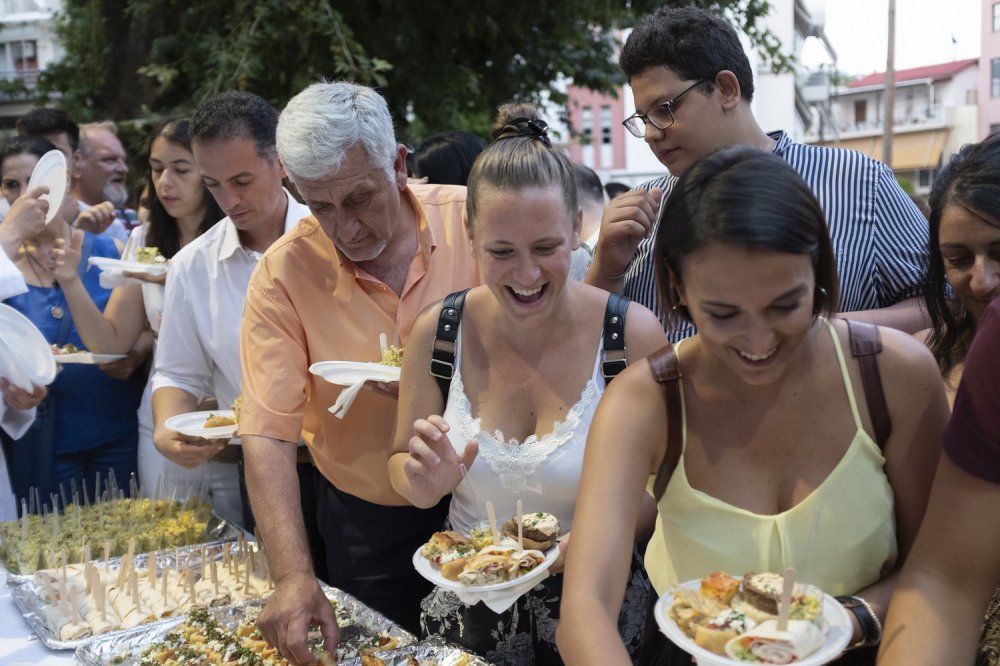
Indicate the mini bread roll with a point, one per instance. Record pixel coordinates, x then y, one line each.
450 570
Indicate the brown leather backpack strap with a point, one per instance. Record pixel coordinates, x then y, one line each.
666 371
866 345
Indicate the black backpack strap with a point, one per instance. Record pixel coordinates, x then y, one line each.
443 348
615 356
866 345
666 371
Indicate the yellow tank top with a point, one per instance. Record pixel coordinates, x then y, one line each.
697 534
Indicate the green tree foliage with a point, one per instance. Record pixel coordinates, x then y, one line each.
441 65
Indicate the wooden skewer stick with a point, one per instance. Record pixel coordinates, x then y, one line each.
786 599
493 522
520 525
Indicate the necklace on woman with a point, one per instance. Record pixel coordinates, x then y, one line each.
55 310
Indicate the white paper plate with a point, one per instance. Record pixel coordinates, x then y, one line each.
193 424
86 358
347 373
120 265
51 172
25 355
835 615
433 574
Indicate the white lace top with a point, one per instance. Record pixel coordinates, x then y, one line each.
543 473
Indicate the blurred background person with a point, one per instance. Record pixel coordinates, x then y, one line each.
445 158
87 423
180 210
591 199
99 175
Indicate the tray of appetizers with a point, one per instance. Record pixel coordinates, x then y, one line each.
231 630
38 540
71 605
434 651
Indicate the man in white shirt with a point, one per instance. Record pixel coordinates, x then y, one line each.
198 352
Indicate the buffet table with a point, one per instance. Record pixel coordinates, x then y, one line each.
18 645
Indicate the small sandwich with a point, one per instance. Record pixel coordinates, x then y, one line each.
714 634
539 530
764 644
488 569
446 546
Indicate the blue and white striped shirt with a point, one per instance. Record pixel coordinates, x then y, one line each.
879 236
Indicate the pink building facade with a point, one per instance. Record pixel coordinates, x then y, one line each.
989 69
599 140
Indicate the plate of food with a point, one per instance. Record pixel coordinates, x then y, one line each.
214 424
348 373
480 563
151 267
723 620
24 351
50 171
70 353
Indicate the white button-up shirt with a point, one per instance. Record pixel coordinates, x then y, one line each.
198 349
14 421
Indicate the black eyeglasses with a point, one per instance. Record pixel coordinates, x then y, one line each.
660 116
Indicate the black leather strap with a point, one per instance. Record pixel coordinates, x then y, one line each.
666 371
442 364
615 354
866 345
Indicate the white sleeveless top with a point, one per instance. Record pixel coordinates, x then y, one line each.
543 473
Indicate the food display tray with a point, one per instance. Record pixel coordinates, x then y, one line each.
30 601
123 648
219 531
434 650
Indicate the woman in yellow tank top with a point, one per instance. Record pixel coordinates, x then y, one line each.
776 434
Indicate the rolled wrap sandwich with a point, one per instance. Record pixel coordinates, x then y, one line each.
764 644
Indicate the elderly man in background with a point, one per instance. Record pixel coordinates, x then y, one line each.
376 252
99 182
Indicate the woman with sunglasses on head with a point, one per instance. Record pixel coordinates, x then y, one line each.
86 424
180 210
527 377
756 437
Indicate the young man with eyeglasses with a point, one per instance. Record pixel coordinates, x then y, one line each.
692 84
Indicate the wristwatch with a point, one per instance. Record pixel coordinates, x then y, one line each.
871 627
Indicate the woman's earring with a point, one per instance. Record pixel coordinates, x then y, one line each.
819 300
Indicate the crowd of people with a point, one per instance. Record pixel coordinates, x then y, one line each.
805 367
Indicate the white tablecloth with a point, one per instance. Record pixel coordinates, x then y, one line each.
18 644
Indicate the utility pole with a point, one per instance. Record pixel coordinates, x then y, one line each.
890 88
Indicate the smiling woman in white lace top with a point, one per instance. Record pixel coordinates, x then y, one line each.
527 378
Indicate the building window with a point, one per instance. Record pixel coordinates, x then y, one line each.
861 112
995 77
996 16
22 59
587 135
605 124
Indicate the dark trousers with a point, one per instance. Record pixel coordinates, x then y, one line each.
369 551
307 497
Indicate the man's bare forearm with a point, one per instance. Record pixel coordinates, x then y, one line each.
908 315
273 486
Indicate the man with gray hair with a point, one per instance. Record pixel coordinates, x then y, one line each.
99 176
376 251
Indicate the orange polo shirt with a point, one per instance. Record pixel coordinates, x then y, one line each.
307 302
